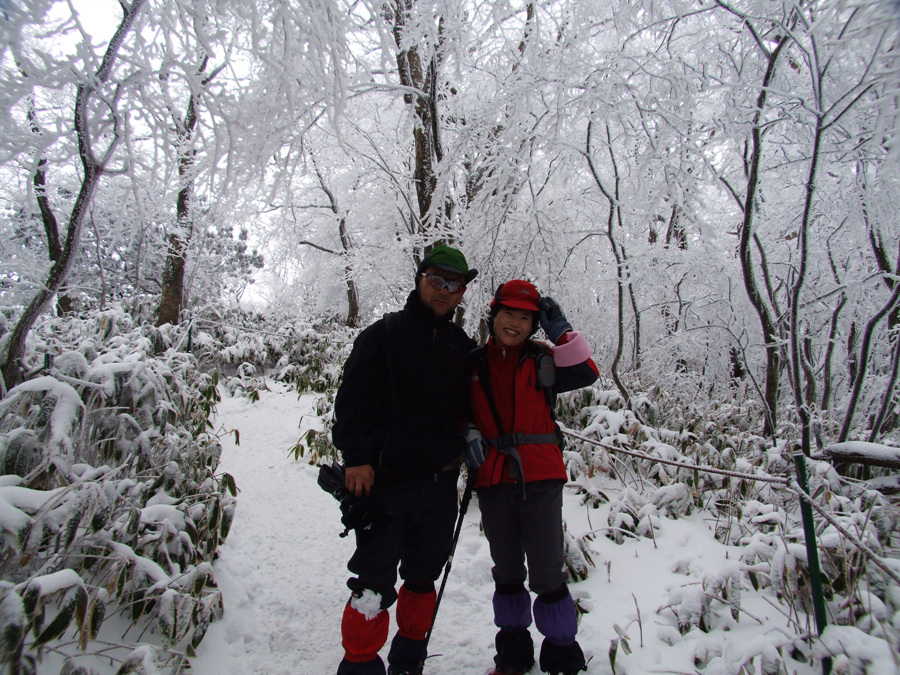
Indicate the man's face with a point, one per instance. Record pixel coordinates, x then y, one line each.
436 295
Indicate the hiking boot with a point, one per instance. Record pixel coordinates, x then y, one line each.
415 669
407 656
373 667
515 651
562 660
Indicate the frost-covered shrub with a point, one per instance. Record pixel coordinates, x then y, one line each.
591 494
246 382
307 355
648 471
314 358
249 347
854 652
578 555
624 515
110 504
703 606
315 446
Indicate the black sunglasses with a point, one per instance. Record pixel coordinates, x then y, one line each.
440 283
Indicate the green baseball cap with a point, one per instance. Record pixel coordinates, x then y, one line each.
449 259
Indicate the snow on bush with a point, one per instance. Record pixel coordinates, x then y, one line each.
657 469
110 463
110 505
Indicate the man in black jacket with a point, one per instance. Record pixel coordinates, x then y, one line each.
397 423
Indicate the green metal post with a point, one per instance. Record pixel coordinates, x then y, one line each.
812 554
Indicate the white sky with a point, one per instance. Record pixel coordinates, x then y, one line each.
99 17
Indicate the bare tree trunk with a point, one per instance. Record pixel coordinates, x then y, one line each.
862 368
421 80
832 331
99 252
637 319
352 293
347 245
797 358
825 401
48 218
675 233
887 399
93 167
179 238
766 317
884 264
613 199
172 297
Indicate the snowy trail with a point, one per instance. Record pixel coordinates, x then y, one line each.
282 571
277 567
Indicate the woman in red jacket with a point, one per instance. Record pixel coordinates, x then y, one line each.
515 446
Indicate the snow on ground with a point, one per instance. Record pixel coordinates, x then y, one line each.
279 569
282 571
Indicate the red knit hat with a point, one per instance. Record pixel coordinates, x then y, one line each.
518 294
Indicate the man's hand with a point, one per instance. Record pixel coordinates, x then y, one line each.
359 479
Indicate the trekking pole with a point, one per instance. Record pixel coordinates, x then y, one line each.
463 507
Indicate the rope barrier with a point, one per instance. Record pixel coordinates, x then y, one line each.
680 465
790 486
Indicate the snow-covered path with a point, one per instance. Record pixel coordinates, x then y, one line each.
280 568
283 571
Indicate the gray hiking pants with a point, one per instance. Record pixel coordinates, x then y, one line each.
525 525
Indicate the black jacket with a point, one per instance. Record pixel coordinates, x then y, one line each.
404 394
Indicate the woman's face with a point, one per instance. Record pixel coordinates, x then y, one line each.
512 326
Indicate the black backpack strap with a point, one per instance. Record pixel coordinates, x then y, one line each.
481 367
545 368
391 321
546 379
504 448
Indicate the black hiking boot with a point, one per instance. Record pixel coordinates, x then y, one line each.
515 652
414 669
558 660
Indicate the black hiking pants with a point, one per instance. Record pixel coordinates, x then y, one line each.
416 539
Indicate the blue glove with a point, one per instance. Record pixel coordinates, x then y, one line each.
476 447
552 319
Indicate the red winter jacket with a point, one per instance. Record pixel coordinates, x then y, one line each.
522 406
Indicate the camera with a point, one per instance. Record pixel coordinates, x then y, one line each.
357 513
